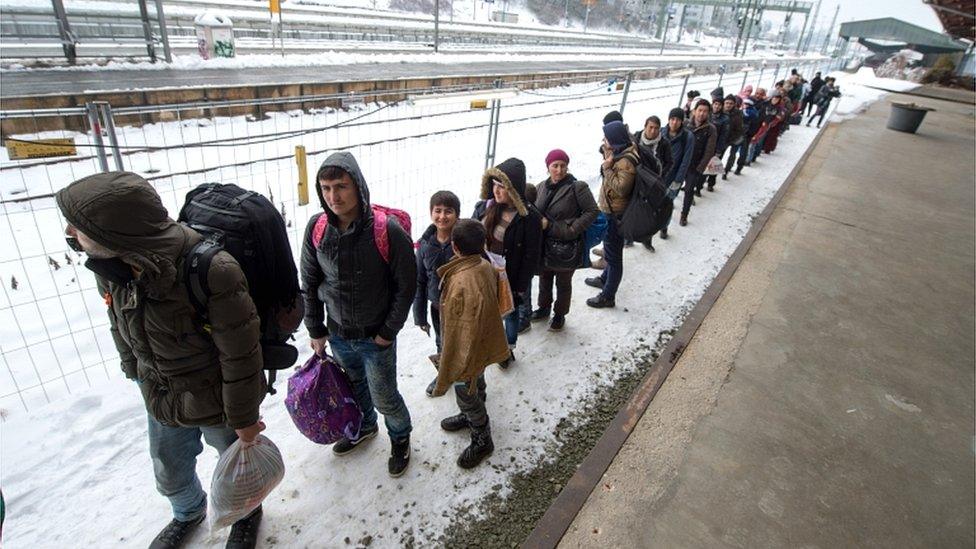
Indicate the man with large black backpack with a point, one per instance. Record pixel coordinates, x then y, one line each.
197 379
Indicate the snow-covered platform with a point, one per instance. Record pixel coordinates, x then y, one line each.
827 398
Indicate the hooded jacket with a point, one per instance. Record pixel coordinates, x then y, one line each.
472 329
682 148
523 238
431 255
350 291
187 375
618 181
737 128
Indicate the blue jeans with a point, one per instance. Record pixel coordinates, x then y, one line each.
525 309
613 254
372 372
511 321
174 452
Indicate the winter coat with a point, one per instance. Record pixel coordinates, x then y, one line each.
431 255
815 86
350 290
568 205
682 148
737 130
826 94
523 238
188 375
618 182
661 155
471 327
721 123
705 137
751 121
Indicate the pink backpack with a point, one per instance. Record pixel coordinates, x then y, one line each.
380 236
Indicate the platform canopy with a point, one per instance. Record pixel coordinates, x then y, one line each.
890 35
957 17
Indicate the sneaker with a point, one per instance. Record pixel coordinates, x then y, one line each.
508 361
684 220
600 302
455 423
599 264
540 314
175 533
664 234
346 445
595 282
480 448
711 188
431 387
244 533
598 252
399 457
557 323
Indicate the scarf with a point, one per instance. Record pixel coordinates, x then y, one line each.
651 143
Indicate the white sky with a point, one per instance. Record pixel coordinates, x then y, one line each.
912 11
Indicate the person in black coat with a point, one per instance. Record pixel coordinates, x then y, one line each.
514 231
721 122
568 209
655 152
815 86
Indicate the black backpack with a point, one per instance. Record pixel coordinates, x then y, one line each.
648 207
247 226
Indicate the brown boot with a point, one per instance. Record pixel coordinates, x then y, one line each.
684 220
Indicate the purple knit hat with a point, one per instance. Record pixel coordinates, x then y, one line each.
556 154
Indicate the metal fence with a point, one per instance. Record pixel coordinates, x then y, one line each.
54 338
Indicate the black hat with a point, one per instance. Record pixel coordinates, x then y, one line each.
611 116
693 94
718 93
678 113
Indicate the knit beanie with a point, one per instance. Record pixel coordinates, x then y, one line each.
678 113
612 116
617 135
556 154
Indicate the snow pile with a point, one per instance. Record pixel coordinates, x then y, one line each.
72 469
860 89
902 65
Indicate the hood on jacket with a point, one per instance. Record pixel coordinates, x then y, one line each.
346 161
123 212
511 174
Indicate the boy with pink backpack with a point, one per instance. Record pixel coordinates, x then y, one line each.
359 275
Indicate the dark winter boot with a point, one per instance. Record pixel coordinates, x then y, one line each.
480 448
647 244
507 362
399 457
594 281
455 423
244 533
540 314
346 445
174 534
430 388
557 323
738 170
664 234
725 176
601 302
684 220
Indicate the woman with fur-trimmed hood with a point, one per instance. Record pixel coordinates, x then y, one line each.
514 230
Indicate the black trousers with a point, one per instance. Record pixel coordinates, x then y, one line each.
693 182
564 290
473 406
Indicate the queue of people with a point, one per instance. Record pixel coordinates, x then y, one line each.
467 280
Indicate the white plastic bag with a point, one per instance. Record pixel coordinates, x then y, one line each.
506 301
245 474
715 166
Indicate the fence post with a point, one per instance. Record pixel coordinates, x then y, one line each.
721 75
302 162
762 69
496 108
775 74
684 87
745 75
623 103
109 122
96 127
163 33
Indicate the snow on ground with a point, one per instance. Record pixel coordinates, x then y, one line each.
862 88
76 472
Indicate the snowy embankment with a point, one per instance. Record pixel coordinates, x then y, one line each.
76 472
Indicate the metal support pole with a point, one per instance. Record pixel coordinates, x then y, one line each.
96 128
721 75
566 14
108 121
684 87
68 41
830 31
799 44
437 24
750 20
667 24
281 33
762 69
776 74
586 19
623 103
742 26
147 30
163 33
745 75
496 111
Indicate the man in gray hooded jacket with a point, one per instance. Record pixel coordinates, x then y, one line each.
357 300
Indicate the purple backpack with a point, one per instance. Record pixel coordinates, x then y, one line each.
321 403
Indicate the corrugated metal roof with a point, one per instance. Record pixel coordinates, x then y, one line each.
896 30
